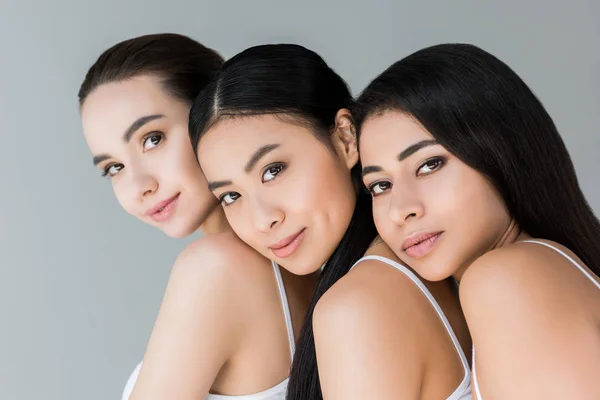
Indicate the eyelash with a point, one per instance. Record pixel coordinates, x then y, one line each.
222 198
438 161
374 185
279 167
106 174
151 135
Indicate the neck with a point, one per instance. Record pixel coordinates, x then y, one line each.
512 234
215 222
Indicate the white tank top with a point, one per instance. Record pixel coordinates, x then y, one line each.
575 263
463 391
275 393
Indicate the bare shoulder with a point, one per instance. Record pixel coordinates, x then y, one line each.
221 256
221 249
372 293
203 317
527 320
220 271
529 276
371 334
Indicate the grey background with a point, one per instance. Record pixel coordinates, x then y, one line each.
81 281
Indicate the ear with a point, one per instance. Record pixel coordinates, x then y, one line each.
344 138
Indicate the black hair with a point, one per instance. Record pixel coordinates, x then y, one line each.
184 65
293 81
481 111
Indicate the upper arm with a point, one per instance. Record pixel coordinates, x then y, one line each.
365 348
197 325
525 332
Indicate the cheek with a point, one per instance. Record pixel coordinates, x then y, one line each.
239 218
321 193
181 165
479 208
454 196
381 217
493 210
124 198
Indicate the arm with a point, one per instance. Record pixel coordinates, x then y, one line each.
528 334
366 345
197 327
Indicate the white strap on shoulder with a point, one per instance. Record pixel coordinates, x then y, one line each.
568 257
286 308
435 305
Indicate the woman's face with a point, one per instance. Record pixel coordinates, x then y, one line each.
435 212
284 191
138 136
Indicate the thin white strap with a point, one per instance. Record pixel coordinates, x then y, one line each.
131 382
475 384
286 308
467 377
565 255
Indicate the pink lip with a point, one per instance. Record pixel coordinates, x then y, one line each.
287 246
419 245
163 210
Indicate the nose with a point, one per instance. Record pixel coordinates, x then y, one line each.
405 204
142 184
267 215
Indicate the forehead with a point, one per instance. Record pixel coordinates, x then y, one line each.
112 107
235 139
390 131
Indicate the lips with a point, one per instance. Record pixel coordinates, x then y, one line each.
287 246
163 210
419 245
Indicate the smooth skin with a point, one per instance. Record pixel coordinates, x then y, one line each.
221 326
531 313
376 334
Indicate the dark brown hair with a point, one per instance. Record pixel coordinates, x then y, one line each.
184 65
481 111
293 81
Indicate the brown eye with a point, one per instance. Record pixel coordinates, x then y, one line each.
271 172
112 170
229 198
430 166
152 140
378 188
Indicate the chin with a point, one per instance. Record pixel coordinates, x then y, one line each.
177 232
432 272
299 268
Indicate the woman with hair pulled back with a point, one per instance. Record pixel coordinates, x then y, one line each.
276 140
471 179
229 316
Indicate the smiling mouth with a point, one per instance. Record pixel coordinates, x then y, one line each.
286 247
165 210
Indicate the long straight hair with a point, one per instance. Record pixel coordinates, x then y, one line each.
293 81
479 109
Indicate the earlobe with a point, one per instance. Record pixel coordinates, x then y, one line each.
344 138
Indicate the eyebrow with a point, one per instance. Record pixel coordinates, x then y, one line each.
99 158
403 155
413 148
371 169
258 154
212 186
137 124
